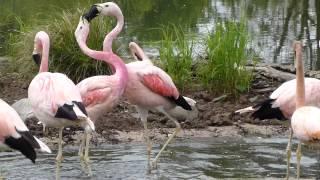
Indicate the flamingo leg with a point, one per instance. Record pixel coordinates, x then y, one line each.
59 156
86 152
299 154
289 153
82 143
143 115
178 128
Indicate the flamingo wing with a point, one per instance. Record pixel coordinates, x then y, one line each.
158 82
95 90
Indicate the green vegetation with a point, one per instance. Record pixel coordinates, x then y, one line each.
176 55
65 54
224 69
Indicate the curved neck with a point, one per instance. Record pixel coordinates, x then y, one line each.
108 57
300 89
107 43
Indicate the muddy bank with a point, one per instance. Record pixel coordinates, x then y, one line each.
215 115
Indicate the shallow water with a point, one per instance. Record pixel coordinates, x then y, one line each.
188 159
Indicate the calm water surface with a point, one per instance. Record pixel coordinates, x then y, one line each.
188 159
273 24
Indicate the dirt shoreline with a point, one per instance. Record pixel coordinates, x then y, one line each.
215 115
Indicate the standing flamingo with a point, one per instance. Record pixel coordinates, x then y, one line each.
282 104
305 121
15 134
54 98
99 93
149 87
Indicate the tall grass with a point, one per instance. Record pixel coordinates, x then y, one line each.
65 54
176 55
224 69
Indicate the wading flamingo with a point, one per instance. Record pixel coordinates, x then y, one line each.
154 82
99 93
282 103
15 134
54 98
305 121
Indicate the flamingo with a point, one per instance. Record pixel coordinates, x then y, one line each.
305 121
282 104
15 134
54 98
99 93
148 87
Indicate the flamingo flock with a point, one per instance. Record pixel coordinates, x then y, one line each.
58 102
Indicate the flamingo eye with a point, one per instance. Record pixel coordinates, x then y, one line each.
80 27
106 5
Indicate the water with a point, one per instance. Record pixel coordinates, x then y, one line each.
273 24
249 157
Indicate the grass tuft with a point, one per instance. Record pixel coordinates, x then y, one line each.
176 55
65 54
224 69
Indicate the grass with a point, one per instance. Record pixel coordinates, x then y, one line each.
176 55
65 54
224 69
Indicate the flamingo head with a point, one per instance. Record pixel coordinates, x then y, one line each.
136 51
82 31
109 9
41 39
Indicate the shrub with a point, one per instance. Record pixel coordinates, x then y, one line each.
224 69
65 54
176 55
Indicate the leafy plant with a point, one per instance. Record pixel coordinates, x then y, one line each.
65 54
176 55
224 69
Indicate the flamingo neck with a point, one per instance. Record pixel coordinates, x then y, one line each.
107 43
300 89
115 61
44 56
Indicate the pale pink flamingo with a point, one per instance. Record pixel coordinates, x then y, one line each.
305 121
15 134
99 93
148 87
282 103
54 98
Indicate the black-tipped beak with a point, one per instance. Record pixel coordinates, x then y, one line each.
37 59
93 12
138 57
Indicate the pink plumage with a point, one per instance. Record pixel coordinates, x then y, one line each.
15 134
54 98
100 93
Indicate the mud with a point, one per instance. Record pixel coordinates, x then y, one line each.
215 117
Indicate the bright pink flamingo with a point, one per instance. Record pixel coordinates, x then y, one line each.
15 134
148 87
305 121
54 98
99 93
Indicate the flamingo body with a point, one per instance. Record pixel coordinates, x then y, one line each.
305 123
15 134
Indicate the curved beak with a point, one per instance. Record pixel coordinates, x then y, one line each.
93 12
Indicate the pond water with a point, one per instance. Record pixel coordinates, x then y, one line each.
248 157
273 24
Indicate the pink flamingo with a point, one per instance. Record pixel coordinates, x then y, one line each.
99 93
282 104
54 98
145 80
305 121
15 134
